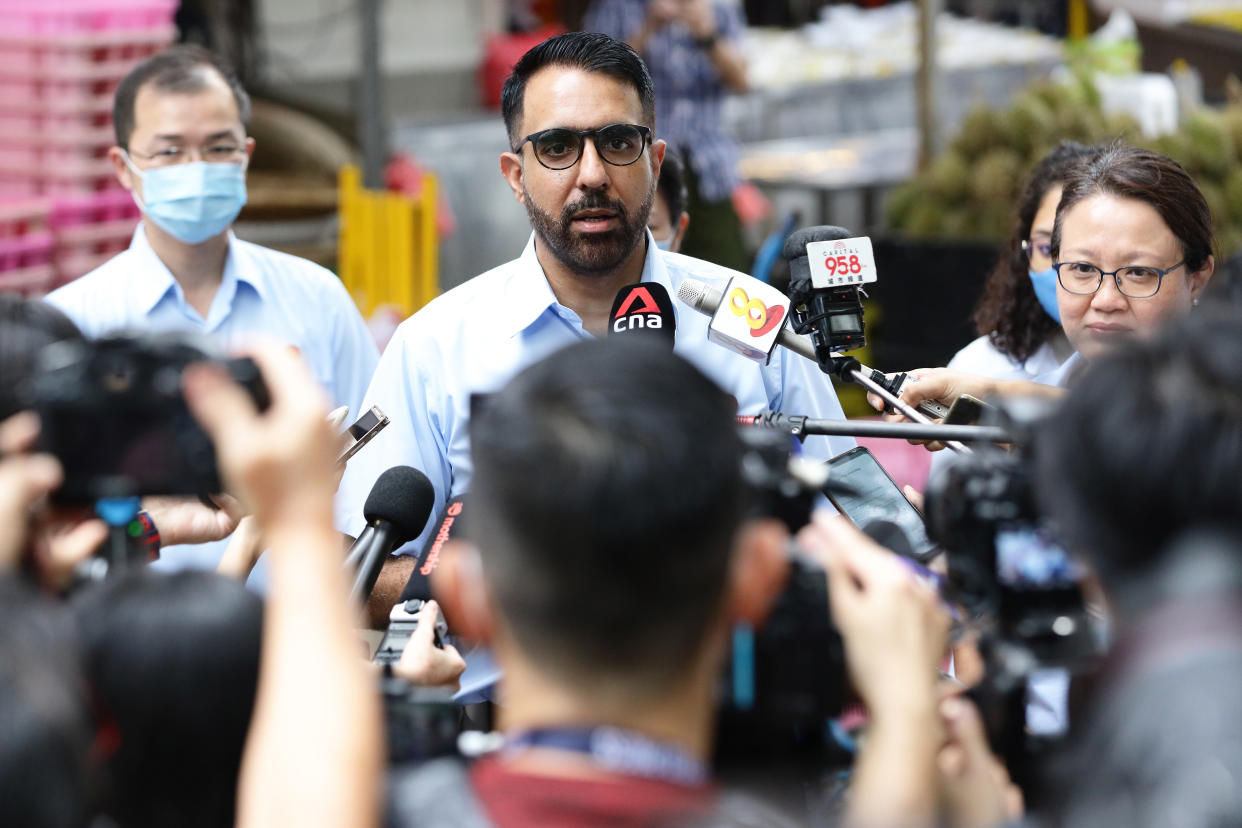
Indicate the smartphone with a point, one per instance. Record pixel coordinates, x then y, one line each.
363 431
867 493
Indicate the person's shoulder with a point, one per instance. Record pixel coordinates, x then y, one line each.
470 303
89 294
982 357
311 273
681 266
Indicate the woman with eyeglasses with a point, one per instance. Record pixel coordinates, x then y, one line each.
1020 335
1132 248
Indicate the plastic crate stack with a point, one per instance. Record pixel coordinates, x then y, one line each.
62 211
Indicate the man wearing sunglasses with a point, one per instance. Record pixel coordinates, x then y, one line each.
182 151
583 160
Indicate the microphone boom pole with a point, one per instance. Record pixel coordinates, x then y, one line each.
871 428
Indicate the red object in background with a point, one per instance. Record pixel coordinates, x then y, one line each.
501 52
403 174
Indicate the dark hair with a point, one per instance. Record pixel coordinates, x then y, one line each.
1008 313
672 185
45 730
1149 445
26 327
179 69
588 51
1124 171
607 492
174 660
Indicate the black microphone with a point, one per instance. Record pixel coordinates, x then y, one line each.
396 511
833 316
644 308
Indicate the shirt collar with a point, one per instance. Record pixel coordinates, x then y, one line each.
152 280
529 295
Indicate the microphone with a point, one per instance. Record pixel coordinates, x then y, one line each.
829 291
707 300
644 308
724 331
396 511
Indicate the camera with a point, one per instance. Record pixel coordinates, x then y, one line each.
113 413
1021 586
785 681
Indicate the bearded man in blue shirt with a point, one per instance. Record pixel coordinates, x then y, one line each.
580 114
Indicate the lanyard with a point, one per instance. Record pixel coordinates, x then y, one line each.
617 750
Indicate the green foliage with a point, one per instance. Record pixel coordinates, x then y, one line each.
970 190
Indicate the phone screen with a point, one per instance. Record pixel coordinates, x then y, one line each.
874 496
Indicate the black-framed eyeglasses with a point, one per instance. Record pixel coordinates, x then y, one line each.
559 148
1135 281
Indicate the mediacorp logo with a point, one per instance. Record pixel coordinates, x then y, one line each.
647 315
760 318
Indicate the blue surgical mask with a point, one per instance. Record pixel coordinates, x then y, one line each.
1045 284
192 202
664 244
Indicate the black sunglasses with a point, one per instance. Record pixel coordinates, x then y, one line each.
559 148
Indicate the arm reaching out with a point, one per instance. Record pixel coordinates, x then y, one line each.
314 755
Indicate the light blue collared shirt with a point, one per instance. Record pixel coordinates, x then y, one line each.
264 295
477 336
1064 375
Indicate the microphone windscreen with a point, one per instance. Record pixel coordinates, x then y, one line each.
795 245
643 308
402 496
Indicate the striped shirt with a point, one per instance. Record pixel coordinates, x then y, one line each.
688 88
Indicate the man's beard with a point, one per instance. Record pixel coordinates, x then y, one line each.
591 254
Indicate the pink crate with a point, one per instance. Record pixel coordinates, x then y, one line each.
26 248
105 56
72 175
55 17
100 208
25 215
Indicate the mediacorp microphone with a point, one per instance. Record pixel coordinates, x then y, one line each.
709 300
643 309
827 266
396 511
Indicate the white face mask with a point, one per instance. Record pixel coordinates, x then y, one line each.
664 244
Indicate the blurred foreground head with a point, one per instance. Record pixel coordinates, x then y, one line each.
174 663
45 731
606 498
1149 447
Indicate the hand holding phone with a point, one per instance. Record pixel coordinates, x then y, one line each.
862 491
363 431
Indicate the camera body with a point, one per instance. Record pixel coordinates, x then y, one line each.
783 682
113 413
1021 586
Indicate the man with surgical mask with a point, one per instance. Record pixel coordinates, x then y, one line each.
668 220
182 151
